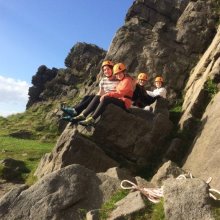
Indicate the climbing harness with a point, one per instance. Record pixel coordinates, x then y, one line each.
155 194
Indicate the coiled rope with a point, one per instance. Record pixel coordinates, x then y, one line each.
155 194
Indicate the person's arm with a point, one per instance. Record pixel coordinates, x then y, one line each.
150 93
158 92
101 89
124 88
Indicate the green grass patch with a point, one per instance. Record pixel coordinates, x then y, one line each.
216 9
28 151
39 121
211 87
110 204
152 211
216 213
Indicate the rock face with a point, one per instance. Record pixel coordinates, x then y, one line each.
206 146
73 148
62 195
186 199
130 205
39 81
164 38
159 37
128 138
198 106
166 171
83 64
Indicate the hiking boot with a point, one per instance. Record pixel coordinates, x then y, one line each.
89 121
69 111
78 118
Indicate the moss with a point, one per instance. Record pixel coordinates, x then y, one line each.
211 87
216 213
110 204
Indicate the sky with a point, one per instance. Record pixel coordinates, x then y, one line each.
42 32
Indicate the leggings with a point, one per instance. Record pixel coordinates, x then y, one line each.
105 102
84 103
92 105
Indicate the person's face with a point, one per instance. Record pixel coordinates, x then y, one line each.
107 71
142 82
120 76
158 84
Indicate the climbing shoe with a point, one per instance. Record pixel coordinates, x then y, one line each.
78 118
88 122
69 111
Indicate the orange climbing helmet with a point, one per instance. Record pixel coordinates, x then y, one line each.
158 79
142 76
107 63
118 67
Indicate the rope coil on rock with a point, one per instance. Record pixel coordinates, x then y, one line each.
153 194
211 190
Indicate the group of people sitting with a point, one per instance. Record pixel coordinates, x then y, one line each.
118 88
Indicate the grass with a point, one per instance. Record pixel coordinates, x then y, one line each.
110 204
216 213
37 120
28 151
216 9
211 87
152 211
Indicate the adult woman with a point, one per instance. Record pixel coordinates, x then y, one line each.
108 83
140 97
121 97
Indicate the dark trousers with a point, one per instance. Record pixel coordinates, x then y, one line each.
144 101
84 103
105 102
92 105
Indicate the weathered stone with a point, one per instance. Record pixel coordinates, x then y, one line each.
131 204
203 159
204 155
22 134
164 38
166 171
186 199
59 195
176 151
73 148
120 173
11 169
93 215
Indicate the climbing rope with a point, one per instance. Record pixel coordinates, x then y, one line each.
153 194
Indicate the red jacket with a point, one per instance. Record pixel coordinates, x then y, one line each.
124 91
